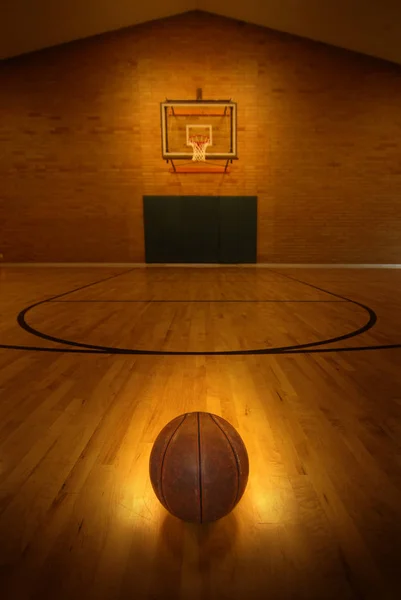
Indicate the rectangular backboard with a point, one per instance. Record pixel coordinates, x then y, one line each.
216 119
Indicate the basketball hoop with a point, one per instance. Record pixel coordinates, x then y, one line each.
199 144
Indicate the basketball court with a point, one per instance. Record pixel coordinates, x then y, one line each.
304 363
98 354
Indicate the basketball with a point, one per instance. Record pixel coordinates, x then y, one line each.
199 467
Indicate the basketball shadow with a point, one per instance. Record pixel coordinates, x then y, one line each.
205 542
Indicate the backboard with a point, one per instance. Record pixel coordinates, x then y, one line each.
182 119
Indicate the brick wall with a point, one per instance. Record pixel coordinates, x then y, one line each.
319 141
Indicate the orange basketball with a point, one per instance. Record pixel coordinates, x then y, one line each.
199 467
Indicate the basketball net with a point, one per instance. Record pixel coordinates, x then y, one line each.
199 144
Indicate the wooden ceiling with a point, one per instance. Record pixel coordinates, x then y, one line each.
369 26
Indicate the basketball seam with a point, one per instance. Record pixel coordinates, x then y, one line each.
164 456
200 471
235 456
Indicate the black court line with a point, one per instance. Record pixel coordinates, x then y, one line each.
267 352
83 287
79 346
83 348
315 287
188 301
345 349
45 349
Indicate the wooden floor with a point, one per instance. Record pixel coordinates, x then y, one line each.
89 377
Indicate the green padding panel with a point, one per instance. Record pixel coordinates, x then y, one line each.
238 229
162 221
200 229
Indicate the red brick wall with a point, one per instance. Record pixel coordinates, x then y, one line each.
319 141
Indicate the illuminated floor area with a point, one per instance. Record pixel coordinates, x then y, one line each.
303 363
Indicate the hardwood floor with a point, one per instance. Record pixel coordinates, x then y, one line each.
80 408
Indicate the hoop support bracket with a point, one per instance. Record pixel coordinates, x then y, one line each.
205 167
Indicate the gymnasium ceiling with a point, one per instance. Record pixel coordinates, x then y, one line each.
369 26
